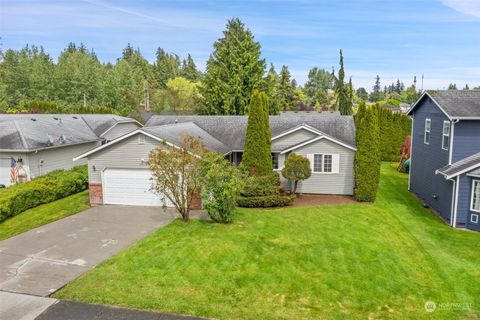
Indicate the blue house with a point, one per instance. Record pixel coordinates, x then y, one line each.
445 156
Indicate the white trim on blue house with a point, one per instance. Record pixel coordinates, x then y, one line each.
436 103
474 181
452 210
457 186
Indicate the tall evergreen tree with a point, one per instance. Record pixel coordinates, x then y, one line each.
167 66
285 90
376 94
319 82
257 151
189 69
269 86
367 157
344 97
234 71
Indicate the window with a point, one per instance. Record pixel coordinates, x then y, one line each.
317 162
474 218
275 161
428 124
446 135
475 205
327 163
323 163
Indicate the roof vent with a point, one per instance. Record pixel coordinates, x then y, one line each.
75 117
63 139
55 118
176 120
33 119
50 140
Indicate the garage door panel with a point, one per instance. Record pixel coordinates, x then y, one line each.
130 187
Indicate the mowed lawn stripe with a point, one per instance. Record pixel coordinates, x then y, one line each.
382 260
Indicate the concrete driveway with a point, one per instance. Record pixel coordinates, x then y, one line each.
43 260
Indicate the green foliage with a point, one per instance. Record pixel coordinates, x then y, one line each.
269 85
234 71
296 168
362 94
257 157
180 96
377 94
393 102
317 86
221 186
285 90
343 92
44 189
367 157
266 201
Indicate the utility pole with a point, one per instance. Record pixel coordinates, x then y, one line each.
422 82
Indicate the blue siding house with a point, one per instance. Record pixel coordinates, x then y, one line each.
445 156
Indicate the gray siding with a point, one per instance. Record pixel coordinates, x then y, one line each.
57 158
329 183
427 158
466 139
127 153
120 129
293 138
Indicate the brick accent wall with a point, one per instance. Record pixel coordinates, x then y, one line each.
96 194
197 201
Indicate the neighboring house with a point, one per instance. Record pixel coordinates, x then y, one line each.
393 108
404 107
445 160
36 144
118 173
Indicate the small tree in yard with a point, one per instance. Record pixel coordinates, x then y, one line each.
296 168
176 172
221 186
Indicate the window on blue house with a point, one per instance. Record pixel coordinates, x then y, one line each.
475 205
446 135
428 125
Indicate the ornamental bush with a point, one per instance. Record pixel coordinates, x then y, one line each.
44 189
221 185
262 192
296 168
266 201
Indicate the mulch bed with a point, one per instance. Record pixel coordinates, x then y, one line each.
306 200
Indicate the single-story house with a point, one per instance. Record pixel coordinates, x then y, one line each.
445 156
34 144
118 172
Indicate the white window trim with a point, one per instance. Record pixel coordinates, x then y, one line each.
474 182
476 218
323 163
429 121
446 135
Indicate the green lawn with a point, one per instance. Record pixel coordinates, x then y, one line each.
44 214
329 262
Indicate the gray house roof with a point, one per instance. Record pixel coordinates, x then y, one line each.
462 166
456 104
173 133
30 132
230 130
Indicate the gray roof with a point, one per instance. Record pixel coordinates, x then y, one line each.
456 103
173 133
29 132
465 165
230 130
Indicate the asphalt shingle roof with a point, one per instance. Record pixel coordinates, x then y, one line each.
456 168
27 132
230 130
173 133
457 103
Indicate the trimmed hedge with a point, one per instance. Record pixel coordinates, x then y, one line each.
266 201
44 189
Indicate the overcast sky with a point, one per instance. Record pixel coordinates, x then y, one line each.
392 38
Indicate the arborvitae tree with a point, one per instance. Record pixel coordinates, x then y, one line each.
344 97
234 71
376 94
367 158
257 157
285 90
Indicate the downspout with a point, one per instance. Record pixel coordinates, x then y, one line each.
411 153
454 222
452 210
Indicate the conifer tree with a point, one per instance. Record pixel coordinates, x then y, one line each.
234 71
367 157
269 86
344 97
257 151
285 91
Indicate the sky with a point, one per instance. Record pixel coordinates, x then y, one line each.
396 39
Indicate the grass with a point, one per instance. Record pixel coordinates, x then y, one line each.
375 261
44 214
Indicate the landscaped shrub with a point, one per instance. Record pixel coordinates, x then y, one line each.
221 185
296 168
266 201
44 189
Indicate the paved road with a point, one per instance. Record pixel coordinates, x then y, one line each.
42 260
69 310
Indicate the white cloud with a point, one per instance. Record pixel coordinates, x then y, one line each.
467 7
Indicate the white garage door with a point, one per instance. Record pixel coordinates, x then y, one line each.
129 187
5 171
